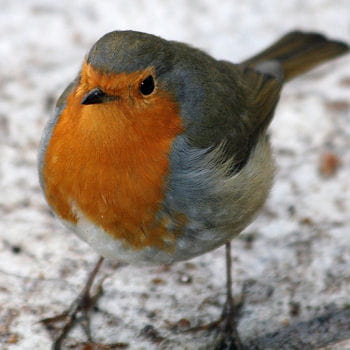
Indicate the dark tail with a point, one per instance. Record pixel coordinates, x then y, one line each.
297 52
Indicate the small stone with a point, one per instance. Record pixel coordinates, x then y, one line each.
179 325
345 82
294 308
16 249
249 239
328 164
338 105
184 278
184 323
306 221
12 338
151 333
285 323
158 281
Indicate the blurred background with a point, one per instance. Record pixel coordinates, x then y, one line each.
293 263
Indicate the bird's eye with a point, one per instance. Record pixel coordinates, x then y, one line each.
147 86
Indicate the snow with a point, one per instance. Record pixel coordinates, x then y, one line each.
301 250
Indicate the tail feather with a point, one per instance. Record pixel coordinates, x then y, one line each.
298 52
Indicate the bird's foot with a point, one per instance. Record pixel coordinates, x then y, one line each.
78 312
227 337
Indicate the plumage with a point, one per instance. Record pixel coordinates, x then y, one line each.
195 148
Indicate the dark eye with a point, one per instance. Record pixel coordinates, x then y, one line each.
147 86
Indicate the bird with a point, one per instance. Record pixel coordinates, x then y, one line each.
158 153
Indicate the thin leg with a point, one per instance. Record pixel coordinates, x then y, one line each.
228 337
229 297
83 303
226 325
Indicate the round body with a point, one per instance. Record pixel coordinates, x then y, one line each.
157 152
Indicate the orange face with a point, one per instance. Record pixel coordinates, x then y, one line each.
109 161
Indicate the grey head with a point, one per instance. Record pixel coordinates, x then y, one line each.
210 93
129 51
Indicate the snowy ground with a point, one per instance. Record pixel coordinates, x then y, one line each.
293 263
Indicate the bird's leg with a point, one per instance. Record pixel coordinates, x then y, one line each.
226 325
82 304
228 337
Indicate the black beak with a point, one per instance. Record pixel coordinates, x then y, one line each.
96 96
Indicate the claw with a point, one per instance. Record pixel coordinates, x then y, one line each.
81 305
227 335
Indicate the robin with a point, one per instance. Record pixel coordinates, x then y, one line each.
158 153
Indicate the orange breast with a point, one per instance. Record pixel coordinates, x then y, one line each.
110 162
